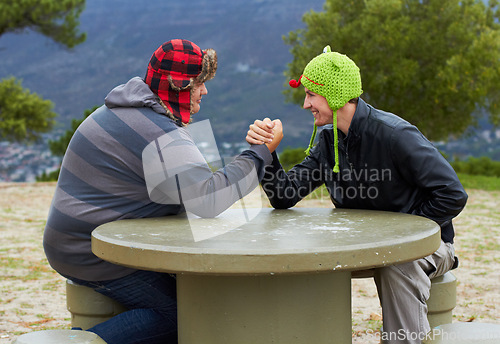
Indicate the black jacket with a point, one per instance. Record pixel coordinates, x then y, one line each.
385 164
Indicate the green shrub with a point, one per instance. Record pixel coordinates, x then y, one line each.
289 157
479 182
482 166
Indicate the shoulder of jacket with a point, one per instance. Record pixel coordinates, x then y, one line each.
387 119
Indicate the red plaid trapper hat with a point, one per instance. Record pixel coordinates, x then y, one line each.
173 70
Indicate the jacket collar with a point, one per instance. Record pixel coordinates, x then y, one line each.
135 93
360 115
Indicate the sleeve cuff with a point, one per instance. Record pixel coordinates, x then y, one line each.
263 152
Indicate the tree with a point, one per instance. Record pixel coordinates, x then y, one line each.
435 63
24 116
56 19
290 157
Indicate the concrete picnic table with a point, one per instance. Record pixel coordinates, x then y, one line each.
266 275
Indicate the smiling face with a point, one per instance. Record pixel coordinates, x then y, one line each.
319 107
199 90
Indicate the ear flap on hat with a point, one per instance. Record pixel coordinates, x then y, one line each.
179 84
209 66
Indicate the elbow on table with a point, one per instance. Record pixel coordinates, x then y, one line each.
462 198
207 213
281 204
207 209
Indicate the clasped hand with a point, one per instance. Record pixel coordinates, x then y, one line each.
265 132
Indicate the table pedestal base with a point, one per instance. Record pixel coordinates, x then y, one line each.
312 308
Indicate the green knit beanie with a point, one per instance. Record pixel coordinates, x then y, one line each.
335 77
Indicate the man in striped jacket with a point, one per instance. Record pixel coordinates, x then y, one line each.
134 158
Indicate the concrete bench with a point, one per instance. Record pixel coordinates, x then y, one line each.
88 307
465 333
442 300
59 336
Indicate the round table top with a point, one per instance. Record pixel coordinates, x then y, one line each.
267 241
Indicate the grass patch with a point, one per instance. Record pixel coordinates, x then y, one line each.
479 182
12 263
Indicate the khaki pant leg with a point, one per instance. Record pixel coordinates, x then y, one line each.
403 290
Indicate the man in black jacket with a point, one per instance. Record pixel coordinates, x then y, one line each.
370 159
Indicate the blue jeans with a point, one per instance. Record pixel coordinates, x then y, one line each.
152 308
